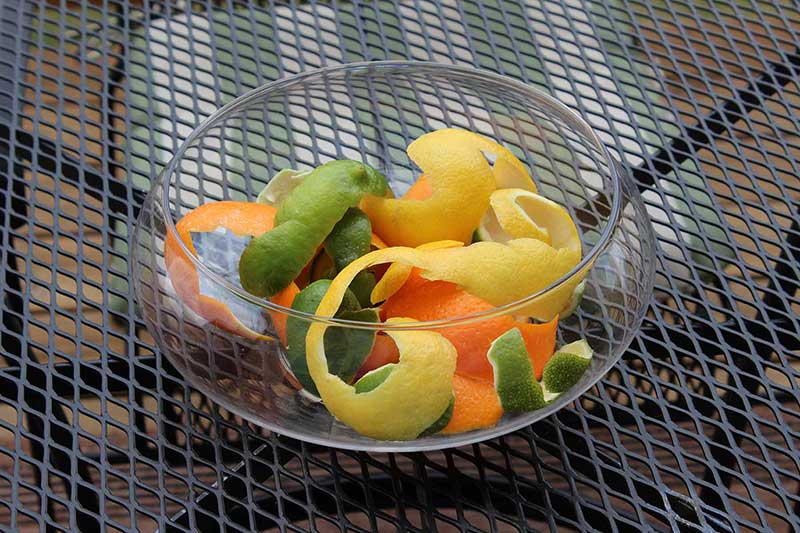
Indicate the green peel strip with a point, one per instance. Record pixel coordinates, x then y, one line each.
513 374
303 221
567 366
347 348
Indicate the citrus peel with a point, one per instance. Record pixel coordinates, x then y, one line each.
384 352
285 299
376 243
567 366
397 274
496 272
540 341
439 300
419 190
513 374
509 172
461 180
517 213
476 405
504 273
420 382
372 379
349 239
242 219
506 220
280 185
304 219
348 348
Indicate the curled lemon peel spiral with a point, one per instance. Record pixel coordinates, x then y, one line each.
500 273
419 387
517 213
455 163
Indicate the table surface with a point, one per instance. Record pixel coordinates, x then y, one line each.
696 428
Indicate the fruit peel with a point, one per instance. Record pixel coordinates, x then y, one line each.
306 217
504 273
461 181
348 347
350 238
416 392
412 397
280 185
397 274
509 172
563 371
242 219
514 381
476 405
567 366
506 219
425 300
372 379
498 273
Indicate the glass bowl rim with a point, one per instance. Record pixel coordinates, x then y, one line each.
552 104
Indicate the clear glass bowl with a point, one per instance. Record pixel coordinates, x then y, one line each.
371 112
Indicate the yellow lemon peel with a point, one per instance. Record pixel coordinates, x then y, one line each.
503 273
419 387
507 169
506 220
500 273
509 175
461 179
521 213
397 274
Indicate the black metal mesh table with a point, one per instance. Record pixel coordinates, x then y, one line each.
697 428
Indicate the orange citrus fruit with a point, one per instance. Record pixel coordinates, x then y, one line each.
476 405
436 300
420 190
241 218
384 351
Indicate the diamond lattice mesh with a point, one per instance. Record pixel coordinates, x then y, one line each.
697 427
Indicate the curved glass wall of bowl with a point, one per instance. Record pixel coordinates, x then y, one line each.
383 106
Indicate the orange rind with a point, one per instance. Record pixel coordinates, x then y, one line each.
242 219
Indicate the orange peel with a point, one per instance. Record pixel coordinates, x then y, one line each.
241 218
437 300
476 405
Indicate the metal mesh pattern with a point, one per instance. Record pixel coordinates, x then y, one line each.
697 427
